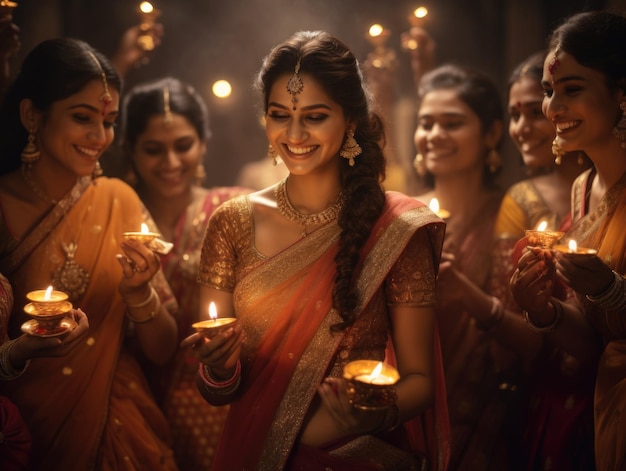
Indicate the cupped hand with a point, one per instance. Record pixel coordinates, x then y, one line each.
220 353
585 275
533 280
139 265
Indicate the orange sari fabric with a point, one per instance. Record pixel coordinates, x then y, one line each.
92 408
604 230
296 349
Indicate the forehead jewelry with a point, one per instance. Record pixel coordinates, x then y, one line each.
554 62
167 119
106 97
295 85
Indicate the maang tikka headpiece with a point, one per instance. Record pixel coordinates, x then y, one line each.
295 85
106 97
167 118
554 62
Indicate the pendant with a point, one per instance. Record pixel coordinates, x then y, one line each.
71 277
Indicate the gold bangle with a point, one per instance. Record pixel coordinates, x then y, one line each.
153 296
558 315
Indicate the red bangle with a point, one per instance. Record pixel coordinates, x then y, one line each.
210 382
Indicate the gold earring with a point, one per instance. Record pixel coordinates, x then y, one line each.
619 130
272 154
494 160
419 165
31 153
97 170
350 148
557 151
200 174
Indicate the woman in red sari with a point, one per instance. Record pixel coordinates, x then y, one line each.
321 269
584 81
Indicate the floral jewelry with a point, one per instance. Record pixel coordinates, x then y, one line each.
291 214
106 97
295 85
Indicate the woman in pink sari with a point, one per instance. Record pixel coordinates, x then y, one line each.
321 269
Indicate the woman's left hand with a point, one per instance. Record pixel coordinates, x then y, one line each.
585 275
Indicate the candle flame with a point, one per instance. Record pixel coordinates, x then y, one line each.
376 371
434 205
375 30
542 226
48 294
212 311
144 228
420 12
572 245
146 7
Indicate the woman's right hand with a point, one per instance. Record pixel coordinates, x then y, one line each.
220 354
29 346
533 280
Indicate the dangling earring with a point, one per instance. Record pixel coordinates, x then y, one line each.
557 151
494 160
31 153
272 154
419 165
581 159
200 174
350 148
619 130
97 170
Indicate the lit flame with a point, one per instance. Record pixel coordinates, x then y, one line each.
376 372
434 205
375 30
572 245
212 311
48 294
144 228
222 89
542 226
146 7
420 12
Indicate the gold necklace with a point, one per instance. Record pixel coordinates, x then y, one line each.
33 186
290 213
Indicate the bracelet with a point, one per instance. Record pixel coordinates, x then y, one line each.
146 301
558 315
612 298
157 307
7 371
223 388
496 316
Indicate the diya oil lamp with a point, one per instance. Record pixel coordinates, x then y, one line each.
434 207
417 18
150 240
7 7
215 325
540 237
148 15
371 384
49 311
571 250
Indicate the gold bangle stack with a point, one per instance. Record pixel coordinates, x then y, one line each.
152 297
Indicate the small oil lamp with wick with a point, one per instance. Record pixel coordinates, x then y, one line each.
215 325
540 237
371 384
148 15
49 311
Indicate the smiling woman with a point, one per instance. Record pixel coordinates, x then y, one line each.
63 227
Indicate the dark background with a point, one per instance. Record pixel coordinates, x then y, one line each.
205 40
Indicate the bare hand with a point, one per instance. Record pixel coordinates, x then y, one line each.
139 265
585 275
532 282
220 353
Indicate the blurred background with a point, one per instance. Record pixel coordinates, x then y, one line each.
209 40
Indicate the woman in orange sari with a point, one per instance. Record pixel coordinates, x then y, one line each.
584 79
82 395
321 269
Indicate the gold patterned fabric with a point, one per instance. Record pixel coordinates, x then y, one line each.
284 305
90 409
604 229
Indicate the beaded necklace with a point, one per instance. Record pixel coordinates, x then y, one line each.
290 213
